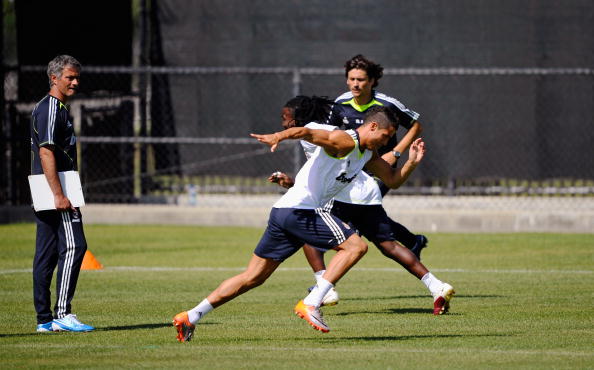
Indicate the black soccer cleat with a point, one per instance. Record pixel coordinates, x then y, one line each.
422 242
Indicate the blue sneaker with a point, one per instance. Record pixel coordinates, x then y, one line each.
70 323
421 243
45 327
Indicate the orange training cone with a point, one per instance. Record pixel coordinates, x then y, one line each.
90 262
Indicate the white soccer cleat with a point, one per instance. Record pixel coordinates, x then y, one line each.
441 300
331 298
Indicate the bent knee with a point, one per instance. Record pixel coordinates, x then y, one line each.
363 248
359 246
354 245
387 248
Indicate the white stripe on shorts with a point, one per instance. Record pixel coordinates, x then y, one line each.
67 269
328 206
331 223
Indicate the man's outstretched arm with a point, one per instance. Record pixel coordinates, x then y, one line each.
335 143
394 177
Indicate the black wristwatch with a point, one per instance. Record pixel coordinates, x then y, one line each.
396 154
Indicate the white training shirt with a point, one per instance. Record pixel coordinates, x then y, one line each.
362 190
323 176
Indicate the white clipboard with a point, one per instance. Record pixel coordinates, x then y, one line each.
43 198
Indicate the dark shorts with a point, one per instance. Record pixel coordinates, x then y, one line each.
289 228
371 221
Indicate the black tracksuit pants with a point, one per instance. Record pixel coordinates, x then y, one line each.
60 242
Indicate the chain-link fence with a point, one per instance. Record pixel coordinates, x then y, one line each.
168 134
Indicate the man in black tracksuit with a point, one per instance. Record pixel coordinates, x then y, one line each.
60 237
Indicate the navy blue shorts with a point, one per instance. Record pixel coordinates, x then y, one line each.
370 220
289 228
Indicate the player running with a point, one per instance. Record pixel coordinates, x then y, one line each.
362 78
360 205
296 219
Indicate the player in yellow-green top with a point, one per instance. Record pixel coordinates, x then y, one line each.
362 78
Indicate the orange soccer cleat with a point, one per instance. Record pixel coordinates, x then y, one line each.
185 329
312 315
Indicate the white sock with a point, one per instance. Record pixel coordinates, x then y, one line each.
196 313
318 274
432 283
316 296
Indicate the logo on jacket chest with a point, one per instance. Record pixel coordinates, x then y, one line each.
344 179
343 175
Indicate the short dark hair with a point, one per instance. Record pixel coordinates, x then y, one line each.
373 69
309 109
57 65
384 116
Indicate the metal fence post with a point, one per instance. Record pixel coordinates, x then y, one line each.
144 76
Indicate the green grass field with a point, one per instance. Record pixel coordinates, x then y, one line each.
522 301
